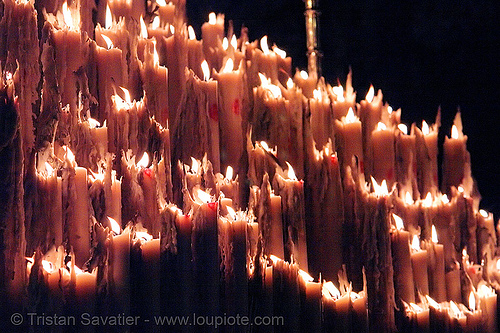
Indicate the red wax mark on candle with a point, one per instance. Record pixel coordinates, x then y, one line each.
148 172
213 206
435 178
362 166
334 159
236 107
213 112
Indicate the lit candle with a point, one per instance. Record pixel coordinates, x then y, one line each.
488 305
205 253
110 71
321 118
342 100
349 140
427 156
419 266
291 191
229 186
155 84
232 110
435 259
212 33
78 220
370 111
195 53
306 82
383 157
403 275
455 157
311 309
210 88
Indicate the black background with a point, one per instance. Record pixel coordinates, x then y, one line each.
422 54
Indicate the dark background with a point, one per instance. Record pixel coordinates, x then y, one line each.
422 54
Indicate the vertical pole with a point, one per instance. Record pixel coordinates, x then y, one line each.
312 28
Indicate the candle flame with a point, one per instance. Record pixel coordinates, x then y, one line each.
281 53
460 189
432 302
234 42
416 308
128 99
229 172
274 259
143 235
370 94
264 145
144 161
389 109
108 22
156 23
231 212
317 94
380 189
444 199
464 252
381 126
172 28
291 172
434 235
115 227
408 198
49 169
263 45
332 290
212 18
455 310
428 200
399 222
48 266
69 154
305 276
266 84
485 290
415 243
206 70
289 83
350 117
108 41
191 33
195 165
161 3
144 29
498 264
339 92
483 213
225 43
156 57
228 66
472 301
425 128
403 128
304 75
204 196
454 132
68 19
93 123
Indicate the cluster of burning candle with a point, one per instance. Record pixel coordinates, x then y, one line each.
292 229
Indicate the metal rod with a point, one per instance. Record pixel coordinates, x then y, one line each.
312 29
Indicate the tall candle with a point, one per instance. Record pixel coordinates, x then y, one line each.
436 270
232 101
370 110
349 140
419 266
212 33
455 156
321 118
403 274
383 157
342 99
